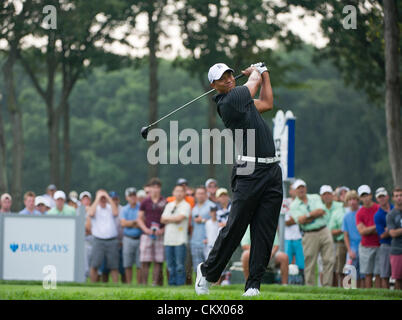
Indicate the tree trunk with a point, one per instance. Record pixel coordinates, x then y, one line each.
153 170
3 157
54 155
392 94
17 131
66 148
18 157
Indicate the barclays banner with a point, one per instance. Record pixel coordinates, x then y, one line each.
30 245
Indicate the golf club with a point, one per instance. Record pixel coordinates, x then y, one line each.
144 130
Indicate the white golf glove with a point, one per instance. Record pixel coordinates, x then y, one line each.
260 67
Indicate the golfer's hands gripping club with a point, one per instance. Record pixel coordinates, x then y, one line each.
261 67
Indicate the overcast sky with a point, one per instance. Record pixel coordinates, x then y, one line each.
307 28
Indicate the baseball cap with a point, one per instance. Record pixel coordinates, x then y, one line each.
42 200
381 192
216 71
113 194
298 183
141 194
325 188
209 181
51 187
130 191
85 194
5 196
59 194
221 191
73 195
181 181
363 189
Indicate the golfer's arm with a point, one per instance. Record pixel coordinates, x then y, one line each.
266 99
253 83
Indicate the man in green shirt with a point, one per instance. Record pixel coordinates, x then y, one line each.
61 209
335 212
309 212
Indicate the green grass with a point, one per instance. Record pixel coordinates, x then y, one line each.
21 290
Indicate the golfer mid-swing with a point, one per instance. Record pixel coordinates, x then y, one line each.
257 197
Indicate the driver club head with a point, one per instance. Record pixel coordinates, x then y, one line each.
144 132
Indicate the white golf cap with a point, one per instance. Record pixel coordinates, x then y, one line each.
59 194
85 194
363 189
42 200
141 194
6 196
381 192
298 183
325 188
221 191
216 71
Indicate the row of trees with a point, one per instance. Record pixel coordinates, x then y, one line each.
55 59
211 31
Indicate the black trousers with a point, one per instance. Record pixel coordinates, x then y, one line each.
257 200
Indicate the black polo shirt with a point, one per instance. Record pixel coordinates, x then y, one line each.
238 111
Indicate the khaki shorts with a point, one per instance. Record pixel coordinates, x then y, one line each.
340 257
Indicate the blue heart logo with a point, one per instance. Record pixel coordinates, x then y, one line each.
14 247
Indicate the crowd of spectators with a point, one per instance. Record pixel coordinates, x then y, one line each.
333 230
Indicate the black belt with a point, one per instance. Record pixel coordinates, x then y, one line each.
135 238
315 230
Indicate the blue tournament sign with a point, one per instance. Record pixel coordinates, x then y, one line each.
284 138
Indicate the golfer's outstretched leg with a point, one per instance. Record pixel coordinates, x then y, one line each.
229 238
263 227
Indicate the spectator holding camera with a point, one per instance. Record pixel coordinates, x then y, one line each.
151 241
103 213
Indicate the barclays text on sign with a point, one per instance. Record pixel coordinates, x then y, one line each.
39 247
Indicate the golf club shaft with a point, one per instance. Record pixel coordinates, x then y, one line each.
185 105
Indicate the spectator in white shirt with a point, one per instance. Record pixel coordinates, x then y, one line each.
103 213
